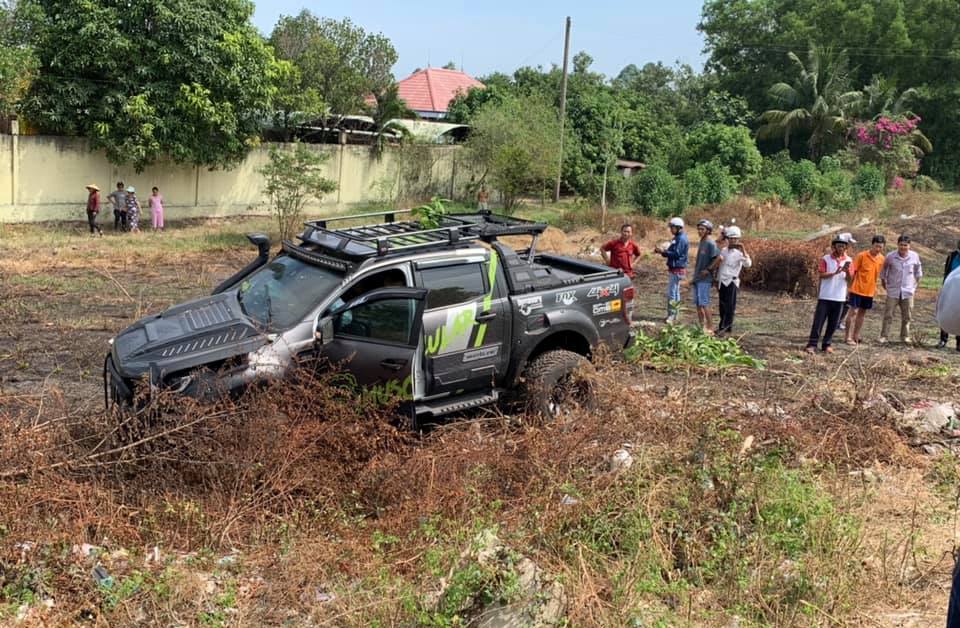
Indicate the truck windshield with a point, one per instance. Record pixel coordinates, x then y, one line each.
284 291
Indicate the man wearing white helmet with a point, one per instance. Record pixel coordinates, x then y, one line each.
708 259
676 254
733 259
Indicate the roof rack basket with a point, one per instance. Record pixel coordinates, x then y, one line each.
389 236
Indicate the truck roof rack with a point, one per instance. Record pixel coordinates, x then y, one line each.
388 236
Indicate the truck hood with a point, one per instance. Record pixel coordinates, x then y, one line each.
203 331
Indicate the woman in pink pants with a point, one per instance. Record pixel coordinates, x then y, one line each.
156 209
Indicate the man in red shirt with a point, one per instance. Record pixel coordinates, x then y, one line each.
622 252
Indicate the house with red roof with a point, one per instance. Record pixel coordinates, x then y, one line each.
429 92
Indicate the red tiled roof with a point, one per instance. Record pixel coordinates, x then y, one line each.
433 89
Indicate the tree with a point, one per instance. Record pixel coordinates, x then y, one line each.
294 104
516 145
817 103
18 63
449 65
339 59
293 177
388 108
188 80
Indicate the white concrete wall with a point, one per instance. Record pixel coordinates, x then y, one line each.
43 178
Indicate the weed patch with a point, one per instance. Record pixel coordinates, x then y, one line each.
678 346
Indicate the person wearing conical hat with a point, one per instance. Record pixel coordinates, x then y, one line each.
93 208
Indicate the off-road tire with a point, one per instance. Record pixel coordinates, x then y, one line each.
556 382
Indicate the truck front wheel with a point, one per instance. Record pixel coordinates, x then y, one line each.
556 383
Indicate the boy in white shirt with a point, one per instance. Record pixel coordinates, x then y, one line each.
834 273
734 258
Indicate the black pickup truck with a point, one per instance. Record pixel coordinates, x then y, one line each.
446 318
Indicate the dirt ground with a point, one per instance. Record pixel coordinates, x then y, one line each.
63 296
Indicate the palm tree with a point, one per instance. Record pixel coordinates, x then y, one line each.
386 111
817 102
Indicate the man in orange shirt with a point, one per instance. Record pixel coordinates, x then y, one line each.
866 271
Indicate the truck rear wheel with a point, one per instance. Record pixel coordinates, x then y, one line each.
556 383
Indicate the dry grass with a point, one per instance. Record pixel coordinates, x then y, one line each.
334 516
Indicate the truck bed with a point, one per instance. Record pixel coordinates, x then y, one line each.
548 271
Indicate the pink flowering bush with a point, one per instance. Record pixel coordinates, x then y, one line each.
889 142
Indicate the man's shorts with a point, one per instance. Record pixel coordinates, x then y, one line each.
860 302
701 293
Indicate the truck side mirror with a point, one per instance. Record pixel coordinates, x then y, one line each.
324 332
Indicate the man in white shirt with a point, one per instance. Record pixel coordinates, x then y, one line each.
734 258
834 272
900 277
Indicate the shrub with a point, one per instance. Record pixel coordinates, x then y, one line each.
655 191
293 177
708 183
830 164
802 176
923 183
869 182
733 146
835 192
774 186
777 164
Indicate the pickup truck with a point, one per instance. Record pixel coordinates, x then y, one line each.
445 318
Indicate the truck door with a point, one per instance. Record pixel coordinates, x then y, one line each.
373 340
466 323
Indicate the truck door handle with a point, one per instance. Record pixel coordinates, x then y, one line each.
393 365
483 317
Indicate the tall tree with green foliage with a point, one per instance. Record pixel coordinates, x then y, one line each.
515 143
337 58
817 104
186 80
18 63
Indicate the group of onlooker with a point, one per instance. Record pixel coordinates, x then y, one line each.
126 208
847 287
722 259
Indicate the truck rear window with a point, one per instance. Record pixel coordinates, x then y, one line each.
450 285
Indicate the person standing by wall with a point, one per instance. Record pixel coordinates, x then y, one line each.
708 259
622 252
676 253
901 273
118 198
953 263
866 270
93 208
733 259
483 198
834 269
156 209
133 210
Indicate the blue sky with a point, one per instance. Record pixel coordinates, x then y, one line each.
502 35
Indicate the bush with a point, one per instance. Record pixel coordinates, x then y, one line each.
869 182
835 192
830 164
923 183
655 191
733 146
708 183
774 186
802 176
776 165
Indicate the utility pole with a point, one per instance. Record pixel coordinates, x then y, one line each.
563 108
